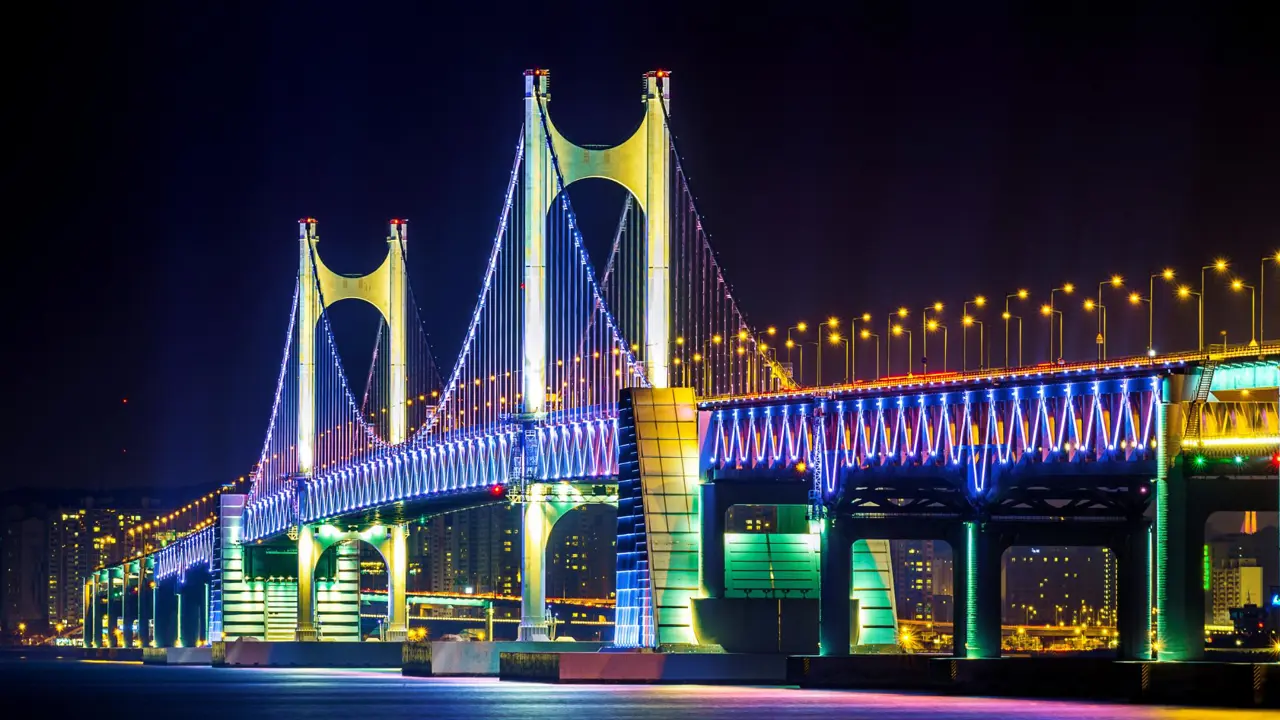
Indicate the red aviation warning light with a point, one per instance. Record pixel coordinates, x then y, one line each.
498 490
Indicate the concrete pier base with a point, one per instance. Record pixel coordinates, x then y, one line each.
643 667
307 654
476 659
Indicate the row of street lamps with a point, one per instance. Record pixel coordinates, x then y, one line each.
895 326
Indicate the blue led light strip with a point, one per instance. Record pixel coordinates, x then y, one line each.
446 395
256 487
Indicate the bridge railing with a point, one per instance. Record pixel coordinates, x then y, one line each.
898 382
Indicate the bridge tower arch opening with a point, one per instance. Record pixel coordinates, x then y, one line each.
386 289
336 603
544 507
642 164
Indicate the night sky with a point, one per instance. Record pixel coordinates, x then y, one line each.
890 155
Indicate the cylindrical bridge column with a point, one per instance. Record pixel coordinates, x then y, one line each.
657 299
397 575
306 585
540 516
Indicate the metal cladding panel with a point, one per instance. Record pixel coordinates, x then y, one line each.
658 525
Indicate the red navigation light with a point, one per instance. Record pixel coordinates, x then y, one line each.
1275 459
498 490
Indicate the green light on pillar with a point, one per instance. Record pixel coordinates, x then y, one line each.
1208 567
971 590
1199 461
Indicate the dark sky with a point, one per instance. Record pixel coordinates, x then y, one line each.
890 154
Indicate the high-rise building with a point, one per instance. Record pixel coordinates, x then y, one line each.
22 562
913 578
582 553
944 583
79 540
1236 582
1059 586
477 549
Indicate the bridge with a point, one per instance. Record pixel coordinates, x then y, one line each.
642 386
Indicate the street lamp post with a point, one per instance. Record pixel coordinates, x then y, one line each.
1185 292
1115 281
1262 294
853 346
833 323
1137 299
979 301
867 335
1167 274
1221 266
934 326
1239 285
836 339
1102 325
1021 295
799 328
924 334
899 330
888 344
1007 317
969 320
1066 289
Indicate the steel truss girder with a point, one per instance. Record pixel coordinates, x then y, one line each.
190 550
1103 426
568 450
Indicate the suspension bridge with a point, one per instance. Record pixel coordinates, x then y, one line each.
638 382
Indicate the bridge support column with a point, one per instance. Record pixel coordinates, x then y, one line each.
978 594
537 189
835 616
394 549
146 604
1133 596
539 517
128 604
193 607
657 209
166 612
94 611
711 562
1179 534
306 631
115 599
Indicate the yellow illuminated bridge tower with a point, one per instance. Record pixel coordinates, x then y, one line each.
385 289
642 165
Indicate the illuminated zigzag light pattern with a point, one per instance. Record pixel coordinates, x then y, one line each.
1089 421
571 450
176 558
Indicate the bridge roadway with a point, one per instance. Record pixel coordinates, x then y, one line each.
1061 454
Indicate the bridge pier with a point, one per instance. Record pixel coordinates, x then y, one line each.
128 604
146 602
1133 593
835 615
165 597
114 608
540 515
307 556
978 561
193 604
1179 537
